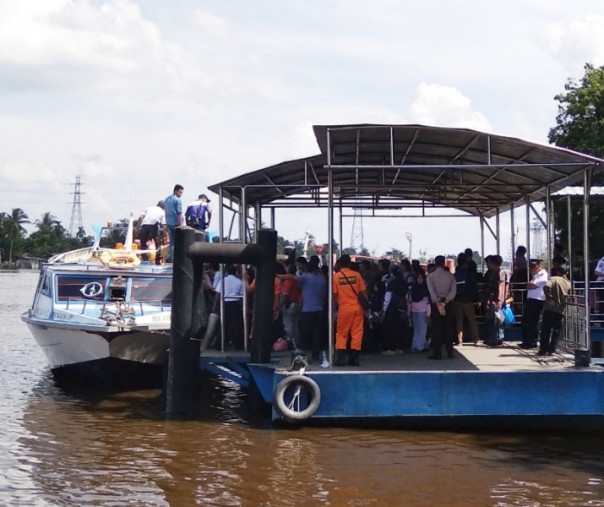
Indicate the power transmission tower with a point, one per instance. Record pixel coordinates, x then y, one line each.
537 240
356 236
76 208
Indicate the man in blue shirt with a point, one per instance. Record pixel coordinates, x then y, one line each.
174 215
199 213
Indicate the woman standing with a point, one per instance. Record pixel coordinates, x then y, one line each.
419 309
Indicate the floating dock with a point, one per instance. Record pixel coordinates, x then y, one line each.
502 382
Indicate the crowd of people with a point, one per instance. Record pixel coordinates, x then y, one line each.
400 307
384 306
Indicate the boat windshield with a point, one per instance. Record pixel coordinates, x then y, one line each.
151 290
109 237
88 287
100 287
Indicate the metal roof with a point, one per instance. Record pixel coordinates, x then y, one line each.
383 167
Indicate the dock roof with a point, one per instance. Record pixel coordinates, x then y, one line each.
386 167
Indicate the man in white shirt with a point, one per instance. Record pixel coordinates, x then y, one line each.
150 223
535 298
442 288
233 309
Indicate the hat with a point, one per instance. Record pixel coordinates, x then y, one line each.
204 196
534 262
161 204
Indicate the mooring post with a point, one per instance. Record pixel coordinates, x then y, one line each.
263 298
200 306
182 361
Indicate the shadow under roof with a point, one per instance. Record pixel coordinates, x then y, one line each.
404 166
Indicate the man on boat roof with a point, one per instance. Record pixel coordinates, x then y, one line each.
199 213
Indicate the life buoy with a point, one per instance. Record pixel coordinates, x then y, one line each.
303 398
119 259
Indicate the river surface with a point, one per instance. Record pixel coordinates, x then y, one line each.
91 449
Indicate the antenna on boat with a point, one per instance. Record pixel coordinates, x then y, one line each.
130 234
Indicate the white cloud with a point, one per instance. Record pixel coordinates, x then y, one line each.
441 105
573 42
210 22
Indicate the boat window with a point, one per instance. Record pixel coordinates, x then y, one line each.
151 290
43 282
90 287
111 236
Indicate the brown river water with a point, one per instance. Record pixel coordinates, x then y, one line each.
65 448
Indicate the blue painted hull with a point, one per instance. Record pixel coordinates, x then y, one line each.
362 395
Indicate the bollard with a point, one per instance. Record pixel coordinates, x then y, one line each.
182 360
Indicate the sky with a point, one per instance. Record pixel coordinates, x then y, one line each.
136 96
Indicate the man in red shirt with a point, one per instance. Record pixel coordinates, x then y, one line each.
347 285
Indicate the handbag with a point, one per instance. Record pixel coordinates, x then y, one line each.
508 315
363 301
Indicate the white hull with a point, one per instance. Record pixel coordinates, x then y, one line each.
65 346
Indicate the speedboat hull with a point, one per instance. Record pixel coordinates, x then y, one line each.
65 345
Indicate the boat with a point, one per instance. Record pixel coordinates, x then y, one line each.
100 312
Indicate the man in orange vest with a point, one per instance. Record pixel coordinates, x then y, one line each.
347 285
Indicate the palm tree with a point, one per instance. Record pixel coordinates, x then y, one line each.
48 222
12 227
395 253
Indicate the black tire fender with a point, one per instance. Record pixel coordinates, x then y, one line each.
288 413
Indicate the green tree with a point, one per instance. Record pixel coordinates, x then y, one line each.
13 230
47 222
580 127
395 254
580 120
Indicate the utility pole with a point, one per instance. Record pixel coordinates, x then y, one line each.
76 208
409 237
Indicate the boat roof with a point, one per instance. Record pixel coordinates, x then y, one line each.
378 166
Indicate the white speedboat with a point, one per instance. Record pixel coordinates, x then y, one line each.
101 310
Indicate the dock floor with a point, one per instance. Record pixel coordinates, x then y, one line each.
508 357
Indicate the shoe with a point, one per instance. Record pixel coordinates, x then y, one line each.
550 353
353 358
340 359
388 352
526 346
399 352
541 353
434 357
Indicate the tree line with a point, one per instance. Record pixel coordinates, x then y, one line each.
48 238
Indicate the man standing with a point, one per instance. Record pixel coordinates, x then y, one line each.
465 298
535 298
174 216
442 288
347 285
556 289
152 219
495 293
233 309
199 213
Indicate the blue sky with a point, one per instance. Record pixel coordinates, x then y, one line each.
137 96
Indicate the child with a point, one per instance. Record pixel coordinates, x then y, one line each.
419 310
